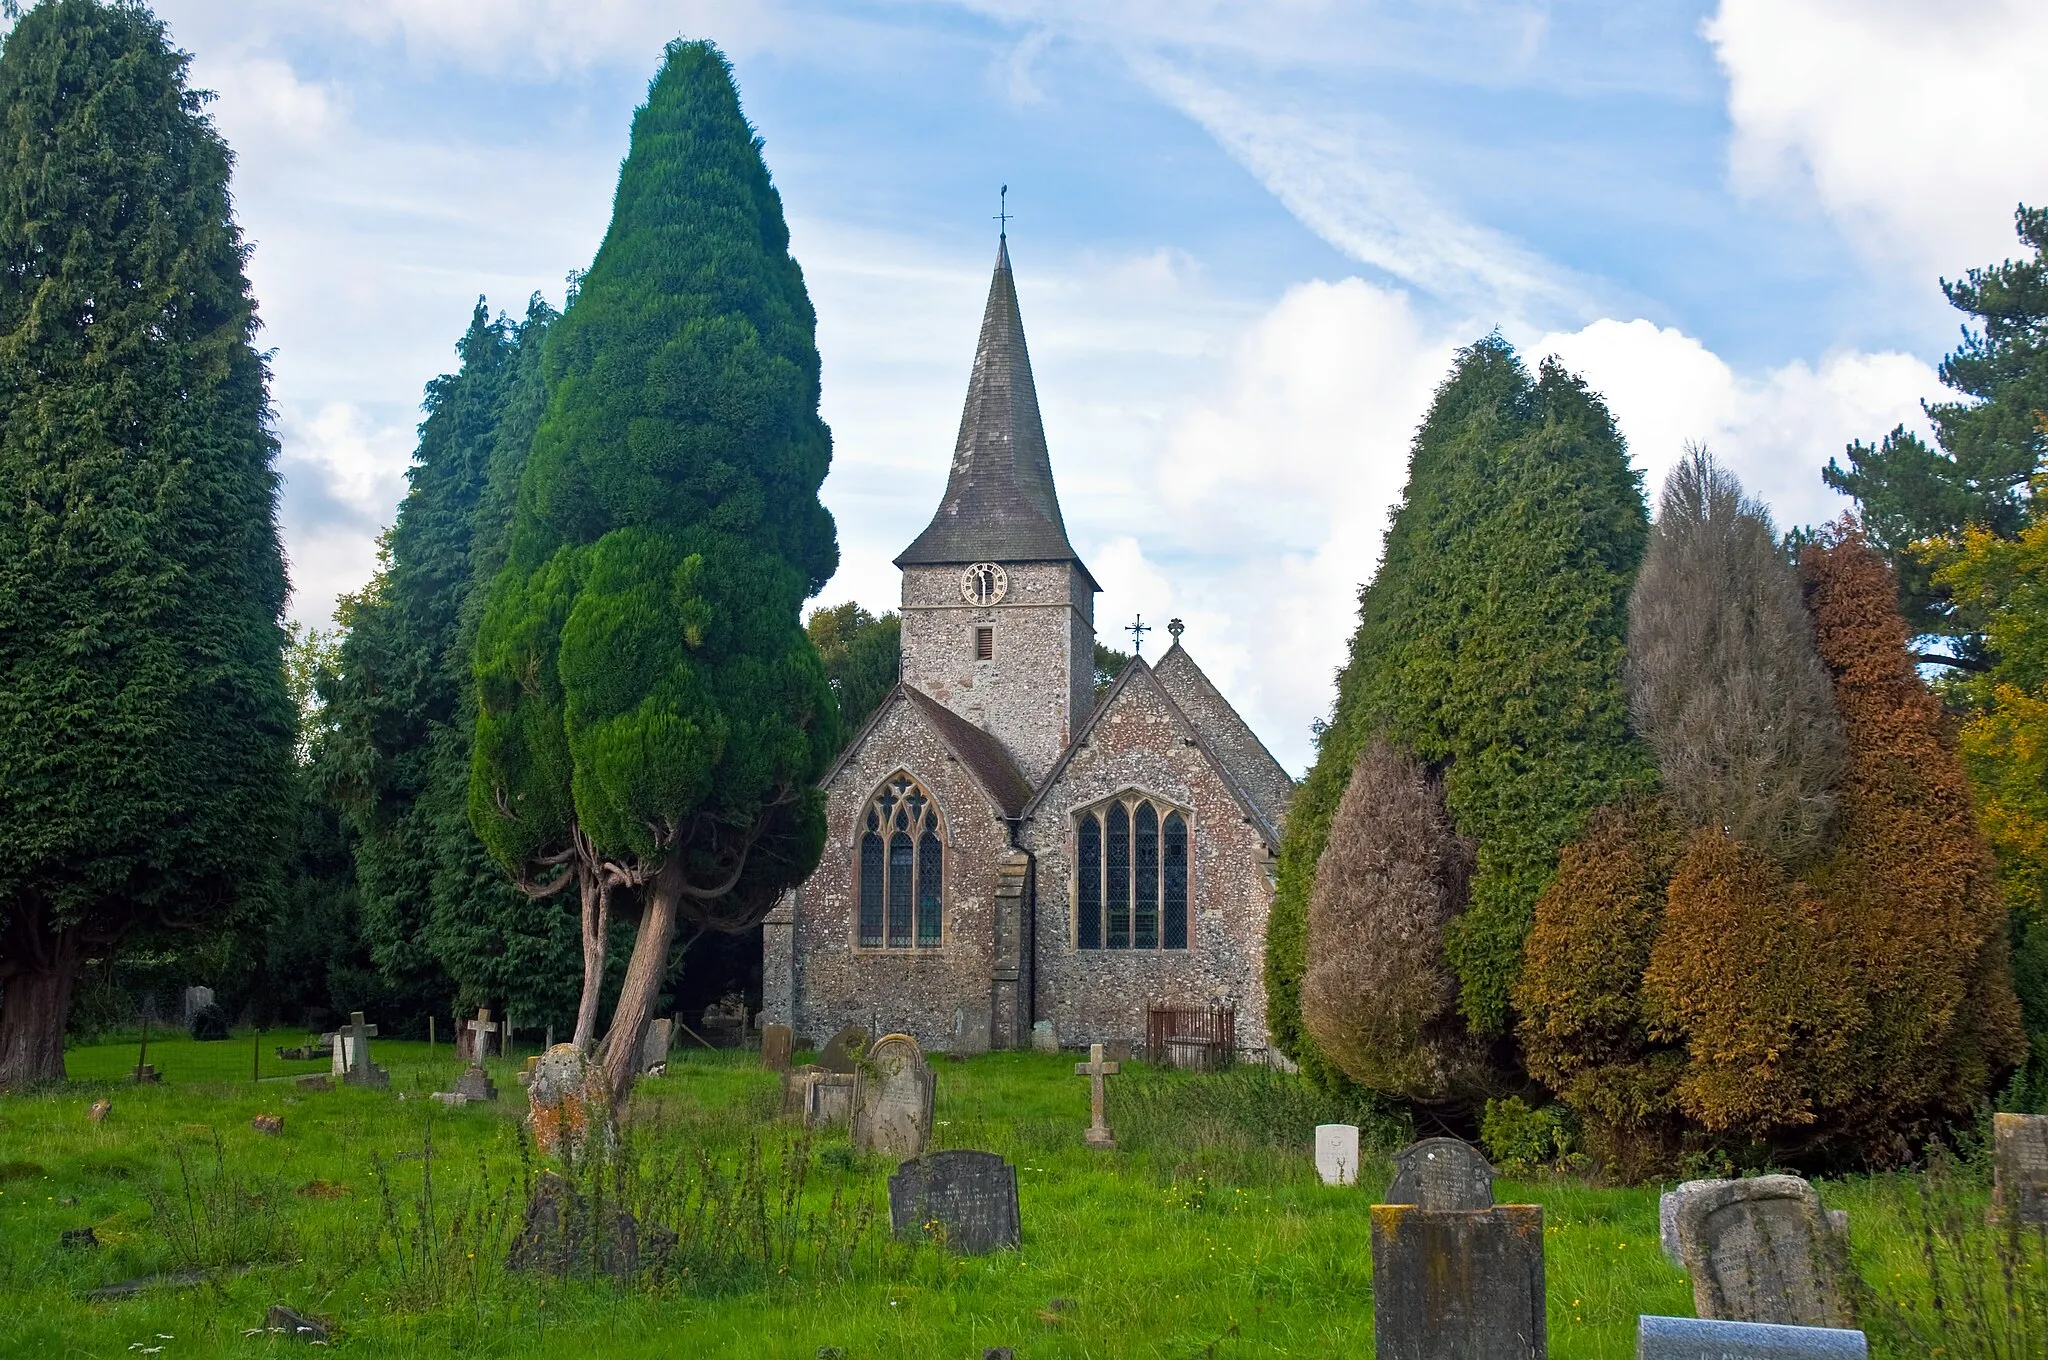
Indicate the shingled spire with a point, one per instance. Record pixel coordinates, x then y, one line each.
999 505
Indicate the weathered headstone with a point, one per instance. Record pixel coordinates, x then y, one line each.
776 1041
1463 1283
654 1048
967 1199
1119 1050
796 1087
828 1100
1337 1153
1670 1338
294 1325
1667 1219
196 1000
1095 1069
99 1110
892 1099
477 1039
842 1052
570 1103
475 1084
1441 1173
1044 1039
1762 1250
314 1081
354 1052
272 1124
2019 1167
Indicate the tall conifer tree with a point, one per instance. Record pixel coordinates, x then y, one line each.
145 731
1490 645
648 701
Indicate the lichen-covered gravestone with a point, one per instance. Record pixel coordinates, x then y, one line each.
1337 1153
570 1102
1441 1173
1463 1283
1762 1250
2019 1167
966 1199
843 1051
892 1100
1669 1338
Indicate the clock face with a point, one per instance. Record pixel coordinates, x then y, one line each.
984 583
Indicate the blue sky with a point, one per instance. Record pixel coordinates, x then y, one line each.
1247 239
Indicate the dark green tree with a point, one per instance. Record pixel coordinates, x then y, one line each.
1490 644
145 731
863 654
651 712
1990 441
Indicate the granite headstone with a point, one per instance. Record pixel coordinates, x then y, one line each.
1670 1338
1463 1283
964 1198
1441 1173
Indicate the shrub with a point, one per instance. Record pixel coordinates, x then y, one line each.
1724 681
1378 994
209 1023
1519 1139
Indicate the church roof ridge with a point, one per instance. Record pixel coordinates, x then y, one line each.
987 763
1000 504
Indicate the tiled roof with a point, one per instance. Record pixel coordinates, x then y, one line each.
981 753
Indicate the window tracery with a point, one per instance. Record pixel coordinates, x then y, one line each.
902 868
1131 875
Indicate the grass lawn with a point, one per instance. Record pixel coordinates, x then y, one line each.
1205 1234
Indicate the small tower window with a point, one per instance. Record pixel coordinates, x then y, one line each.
984 644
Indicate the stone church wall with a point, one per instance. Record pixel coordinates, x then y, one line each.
940 996
1100 995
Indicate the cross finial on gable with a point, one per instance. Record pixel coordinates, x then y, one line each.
1137 629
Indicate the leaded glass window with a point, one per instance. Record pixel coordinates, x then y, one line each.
1131 875
902 867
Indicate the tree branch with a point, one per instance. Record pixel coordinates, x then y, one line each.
1961 663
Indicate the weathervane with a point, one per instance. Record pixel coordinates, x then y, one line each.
1003 211
1137 630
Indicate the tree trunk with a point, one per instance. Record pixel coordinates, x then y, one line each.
620 1054
597 922
36 1003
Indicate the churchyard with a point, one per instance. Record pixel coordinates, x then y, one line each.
387 1218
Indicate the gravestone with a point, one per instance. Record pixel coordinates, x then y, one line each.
1667 1219
828 1100
99 1110
796 1087
843 1050
892 1100
570 1103
1044 1039
272 1124
1761 1250
474 1040
654 1051
1668 1338
967 1199
1464 1283
476 1084
776 1041
196 1000
294 1325
1118 1050
2019 1167
1095 1069
1337 1153
1441 1173
353 1052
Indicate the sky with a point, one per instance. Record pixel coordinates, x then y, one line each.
1248 239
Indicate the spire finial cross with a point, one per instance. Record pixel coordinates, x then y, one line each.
1003 211
1137 629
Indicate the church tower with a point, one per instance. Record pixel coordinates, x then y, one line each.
998 610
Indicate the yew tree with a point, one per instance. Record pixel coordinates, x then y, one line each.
145 729
650 710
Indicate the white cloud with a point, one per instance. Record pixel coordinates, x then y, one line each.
1916 126
548 37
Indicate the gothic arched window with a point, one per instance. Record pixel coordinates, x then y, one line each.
1131 876
902 868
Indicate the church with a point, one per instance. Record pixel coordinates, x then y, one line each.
1004 850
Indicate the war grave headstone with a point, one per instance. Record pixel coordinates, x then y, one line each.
1337 1153
776 1042
828 1099
1670 1338
1762 1250
476 1039
842 1051
1465 1283
352 1056
1441 1173
1095 1069
654 1049
966 1198
1044 1039
892 1099
2019 1167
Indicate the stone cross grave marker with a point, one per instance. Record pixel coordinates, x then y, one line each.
353 1053
654 1051
892 1100
1441 1173
1669 1338
776 1042
2019 1167
1458 1282
969 1199
1095 1069
1337 1153
843 1050
1762 1250
478 1045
